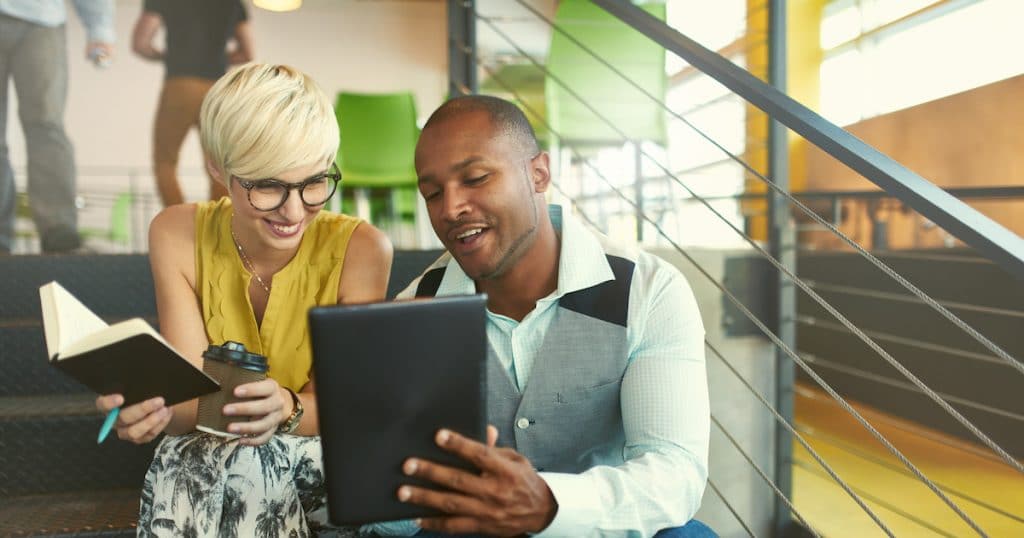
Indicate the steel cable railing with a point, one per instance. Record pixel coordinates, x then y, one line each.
852 290
753 318
767 480
863 455
735 514
871 376
803 442
888 506
867 255
903 340
793 278
750 315
913 430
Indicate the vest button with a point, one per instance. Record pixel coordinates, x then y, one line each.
523 423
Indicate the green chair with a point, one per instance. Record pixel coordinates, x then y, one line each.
118 235
630 52
581 78
522 84
378 143
121 220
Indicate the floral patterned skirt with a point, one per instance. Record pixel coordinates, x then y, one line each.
204 485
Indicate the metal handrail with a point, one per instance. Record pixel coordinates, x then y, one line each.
1000 192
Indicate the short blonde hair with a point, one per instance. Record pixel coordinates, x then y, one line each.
260 120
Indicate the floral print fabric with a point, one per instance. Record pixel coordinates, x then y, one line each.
204 485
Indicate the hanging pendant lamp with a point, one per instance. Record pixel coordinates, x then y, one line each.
278 5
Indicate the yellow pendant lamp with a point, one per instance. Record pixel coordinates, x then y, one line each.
278 5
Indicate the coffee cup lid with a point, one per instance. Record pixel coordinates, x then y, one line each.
235 352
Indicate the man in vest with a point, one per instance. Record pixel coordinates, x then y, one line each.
597 390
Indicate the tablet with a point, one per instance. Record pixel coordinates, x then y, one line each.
388 376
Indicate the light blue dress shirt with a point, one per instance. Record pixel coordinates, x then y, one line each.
97 15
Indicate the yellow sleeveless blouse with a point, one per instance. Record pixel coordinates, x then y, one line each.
310 279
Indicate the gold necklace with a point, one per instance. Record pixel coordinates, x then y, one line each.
248 263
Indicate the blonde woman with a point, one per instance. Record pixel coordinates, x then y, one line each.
247 268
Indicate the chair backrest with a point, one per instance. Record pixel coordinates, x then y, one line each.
629 51
378 139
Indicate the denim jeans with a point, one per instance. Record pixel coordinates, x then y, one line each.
35 57
693 529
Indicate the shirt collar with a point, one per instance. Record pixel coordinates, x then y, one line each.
581 260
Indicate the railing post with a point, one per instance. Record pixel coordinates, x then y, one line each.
782 238
461 47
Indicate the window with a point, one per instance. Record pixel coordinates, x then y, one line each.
886 55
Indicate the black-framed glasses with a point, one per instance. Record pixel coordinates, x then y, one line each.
270 194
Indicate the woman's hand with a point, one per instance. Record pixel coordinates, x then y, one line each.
139 423
267 403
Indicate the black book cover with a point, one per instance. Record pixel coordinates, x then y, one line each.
139 367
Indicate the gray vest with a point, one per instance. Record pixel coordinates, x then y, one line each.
568 418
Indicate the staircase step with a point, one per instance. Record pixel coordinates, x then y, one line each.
118 286
109 513
24 369
48 445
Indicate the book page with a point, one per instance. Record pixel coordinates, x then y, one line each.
111 334
65 318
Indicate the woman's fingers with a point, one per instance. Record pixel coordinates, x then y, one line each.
257 389
144 430
156 430
109 401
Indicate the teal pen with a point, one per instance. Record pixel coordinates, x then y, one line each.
108 424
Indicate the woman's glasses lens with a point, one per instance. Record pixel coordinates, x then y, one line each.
269 194
317 191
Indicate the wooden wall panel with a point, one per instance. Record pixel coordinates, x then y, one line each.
969 139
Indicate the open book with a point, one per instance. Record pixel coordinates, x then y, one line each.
128 358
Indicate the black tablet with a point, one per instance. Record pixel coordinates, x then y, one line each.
388 376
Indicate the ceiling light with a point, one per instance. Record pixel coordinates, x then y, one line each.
278 5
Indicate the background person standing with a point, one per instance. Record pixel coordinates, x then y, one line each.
202 38
33 53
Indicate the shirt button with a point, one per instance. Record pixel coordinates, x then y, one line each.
523 423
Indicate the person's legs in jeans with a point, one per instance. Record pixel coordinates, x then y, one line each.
11 31
40 73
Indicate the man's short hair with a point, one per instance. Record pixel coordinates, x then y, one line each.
505 116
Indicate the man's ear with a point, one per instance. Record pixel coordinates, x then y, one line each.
540 170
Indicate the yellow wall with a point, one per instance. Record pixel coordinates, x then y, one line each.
803 55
